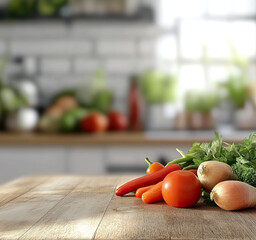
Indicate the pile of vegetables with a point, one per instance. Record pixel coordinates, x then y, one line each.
226 173
87 108
67 116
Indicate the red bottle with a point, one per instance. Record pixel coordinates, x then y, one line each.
135 111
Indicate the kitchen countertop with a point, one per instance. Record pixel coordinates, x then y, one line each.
76 207
122 138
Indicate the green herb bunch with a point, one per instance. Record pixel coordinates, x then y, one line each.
241 157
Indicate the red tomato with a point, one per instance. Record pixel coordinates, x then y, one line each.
95 122
117 121
181 189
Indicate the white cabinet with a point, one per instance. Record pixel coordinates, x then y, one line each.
133 156
16 161
20 161
86 161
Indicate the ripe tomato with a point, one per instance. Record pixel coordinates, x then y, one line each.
95 122
117 121
181 189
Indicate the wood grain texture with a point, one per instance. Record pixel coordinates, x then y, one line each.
129 218
18 187
208 222
78 215
19 215
76 207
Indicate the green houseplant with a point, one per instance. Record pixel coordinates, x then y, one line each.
158 87
199 106
160 93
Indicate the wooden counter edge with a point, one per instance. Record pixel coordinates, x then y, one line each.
103 139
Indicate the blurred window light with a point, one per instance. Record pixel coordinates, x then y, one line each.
252 72
185 8
220 7
231 7
169 10
165 16
245 7
218 73
217 39
166 47
195 35
167 66
192 39
192 76
243 38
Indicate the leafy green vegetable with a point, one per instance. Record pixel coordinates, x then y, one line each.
207 199
69 122
241 157
245 174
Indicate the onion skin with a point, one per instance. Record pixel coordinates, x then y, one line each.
211 173
234 195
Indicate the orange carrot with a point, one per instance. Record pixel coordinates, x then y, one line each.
154 194
140 191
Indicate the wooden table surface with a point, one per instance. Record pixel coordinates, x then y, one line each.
76 207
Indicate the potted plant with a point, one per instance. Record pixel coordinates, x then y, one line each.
241 93
198 107
160 94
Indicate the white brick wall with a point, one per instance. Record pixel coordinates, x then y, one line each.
112 29
147 47
119 85
145 64
2 48
55 65
28 30
68 55
87 65
52 83
51 47
121 65
129 66
116 47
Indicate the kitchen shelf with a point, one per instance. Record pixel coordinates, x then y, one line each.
152 138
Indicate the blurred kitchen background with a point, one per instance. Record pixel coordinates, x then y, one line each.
95 86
